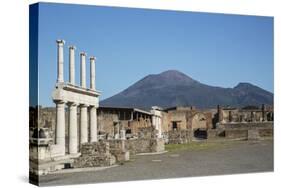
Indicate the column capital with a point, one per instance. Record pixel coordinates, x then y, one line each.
59 101
72 47
60 42
83 54
93 58
83 105
72 104
92 106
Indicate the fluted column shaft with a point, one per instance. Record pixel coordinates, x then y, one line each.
60 44
72 65
83 124
93 125
73 129
60 125
83 69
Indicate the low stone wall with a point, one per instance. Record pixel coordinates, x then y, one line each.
236 134
118 150
147 132
266 132
249 134
109 152
213 133
135 146
245 130
95 154
179 136
246 125
157 145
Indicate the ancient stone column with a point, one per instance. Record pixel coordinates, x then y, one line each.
123 134
252 116
230 116
60 44
219 113
159 127
73 129
83 124
92 73
83 69
93 124
72 64
263 112
154 121
60 125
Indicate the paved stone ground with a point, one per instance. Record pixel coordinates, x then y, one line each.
231 158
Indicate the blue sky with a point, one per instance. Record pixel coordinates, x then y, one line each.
215 49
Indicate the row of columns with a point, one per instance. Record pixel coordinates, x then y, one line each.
60 59
72 106
73 127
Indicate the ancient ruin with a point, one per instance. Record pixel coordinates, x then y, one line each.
79 133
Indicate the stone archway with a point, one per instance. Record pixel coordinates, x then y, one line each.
199 126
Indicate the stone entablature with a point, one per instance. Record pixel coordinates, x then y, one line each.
75 94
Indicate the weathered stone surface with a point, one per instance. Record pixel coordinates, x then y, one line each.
179 136
236 134
212 133
95 154
248 125
253 134
157 145
266 132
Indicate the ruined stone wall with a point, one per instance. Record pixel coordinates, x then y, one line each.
118 150
246 125
209 119
135 125
236 115
135 146
246 130
147 132
105 123
179 136
175 116
165 122
95 154
226 115
199 121
47 118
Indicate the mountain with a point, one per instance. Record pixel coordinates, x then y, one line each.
173 88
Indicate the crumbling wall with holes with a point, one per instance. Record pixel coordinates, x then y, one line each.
95 154
179 136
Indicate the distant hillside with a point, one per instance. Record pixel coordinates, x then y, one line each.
173 88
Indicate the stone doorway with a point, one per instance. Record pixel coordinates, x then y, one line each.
200 134
199 126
